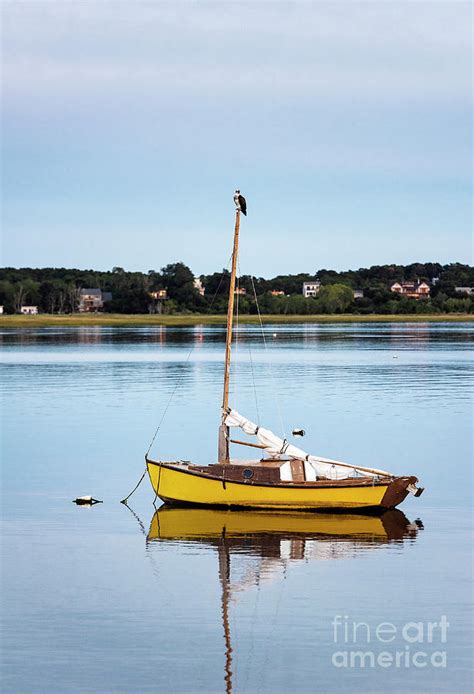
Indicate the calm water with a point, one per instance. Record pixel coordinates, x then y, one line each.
110 599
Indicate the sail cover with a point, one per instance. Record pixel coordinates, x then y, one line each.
315 466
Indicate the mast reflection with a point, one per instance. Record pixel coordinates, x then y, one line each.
275 540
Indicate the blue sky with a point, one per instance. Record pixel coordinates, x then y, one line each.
128 125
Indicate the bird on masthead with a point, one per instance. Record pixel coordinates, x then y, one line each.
240 202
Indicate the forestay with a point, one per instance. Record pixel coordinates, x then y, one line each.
315 466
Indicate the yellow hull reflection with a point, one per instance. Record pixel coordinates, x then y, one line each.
177 485
201 525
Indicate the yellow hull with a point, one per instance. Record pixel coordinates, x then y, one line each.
179 485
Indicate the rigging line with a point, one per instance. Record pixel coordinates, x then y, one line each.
178 383
254 385
236 338
275 392
124 501
220 282
180 378
252 371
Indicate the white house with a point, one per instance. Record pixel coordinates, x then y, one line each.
198 286
464 290
29 310
159 294
358 293
92 300
1 310
412 290
311 288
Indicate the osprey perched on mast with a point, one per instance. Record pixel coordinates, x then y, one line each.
240 202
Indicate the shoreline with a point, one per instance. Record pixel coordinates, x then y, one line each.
123 320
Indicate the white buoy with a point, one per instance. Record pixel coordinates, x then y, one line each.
274 334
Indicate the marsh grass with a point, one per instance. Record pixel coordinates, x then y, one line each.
117 319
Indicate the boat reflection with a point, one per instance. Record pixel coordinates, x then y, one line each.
273 540
288 536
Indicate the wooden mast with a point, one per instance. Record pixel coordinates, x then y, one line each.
223 453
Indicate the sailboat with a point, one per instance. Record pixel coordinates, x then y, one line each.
284 477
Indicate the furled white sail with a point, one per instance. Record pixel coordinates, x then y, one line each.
315 466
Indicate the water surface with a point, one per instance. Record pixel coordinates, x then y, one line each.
109 599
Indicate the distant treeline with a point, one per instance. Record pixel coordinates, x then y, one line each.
57 290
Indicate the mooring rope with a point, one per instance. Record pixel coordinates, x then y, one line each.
142 527
124 501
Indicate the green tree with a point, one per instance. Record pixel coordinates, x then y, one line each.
179 282
334 298
216 284
458 305
25 293
297 305
7 292
53 294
